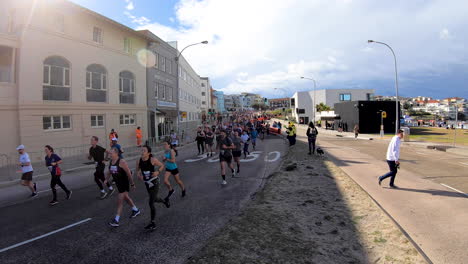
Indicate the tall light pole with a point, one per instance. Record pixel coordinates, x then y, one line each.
397 118
285 92
177 79
315 103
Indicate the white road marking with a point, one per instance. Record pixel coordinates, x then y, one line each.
454 189
276 158
214 159
45 235
420 153
254 155
200 157
45 191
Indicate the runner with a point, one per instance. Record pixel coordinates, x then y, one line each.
225 155
122 176
245 140
52 162
96 153
209 141
112 135
145 171
27 170
218 138
237 151
174 142
171 168
254 135
116 145
200 141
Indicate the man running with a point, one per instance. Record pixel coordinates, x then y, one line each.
27 170
112 135
209 141
237 151
146 172
116 145
118 169
245 140
225 156
171 169
52 162
200 141
96 153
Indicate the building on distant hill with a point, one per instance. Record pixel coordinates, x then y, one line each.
279 103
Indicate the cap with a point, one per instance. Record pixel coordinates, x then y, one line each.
115 139
20 147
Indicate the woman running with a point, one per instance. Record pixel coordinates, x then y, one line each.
245 140
122 177
209 141
145 171
225 155
171 169
237 151
52 162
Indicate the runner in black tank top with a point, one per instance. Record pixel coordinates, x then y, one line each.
122 176
145 171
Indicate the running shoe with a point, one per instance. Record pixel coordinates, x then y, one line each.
223 182
110 192
103 195
114 223
233 174
34 194
53 202
170 193
35 187
151 226
167 203
69 195
183 193
134 213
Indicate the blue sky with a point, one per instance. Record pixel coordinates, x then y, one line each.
259 45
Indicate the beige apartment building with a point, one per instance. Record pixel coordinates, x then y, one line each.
66 74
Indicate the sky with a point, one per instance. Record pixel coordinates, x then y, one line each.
259 45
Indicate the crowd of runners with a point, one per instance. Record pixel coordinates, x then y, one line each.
231 139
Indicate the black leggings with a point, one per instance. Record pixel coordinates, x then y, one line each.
201 144
153 198
312 144
55 180
99 176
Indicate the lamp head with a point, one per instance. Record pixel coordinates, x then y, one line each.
204 42
302 77
370 41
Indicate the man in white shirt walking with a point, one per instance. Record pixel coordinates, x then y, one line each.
393 156
27 170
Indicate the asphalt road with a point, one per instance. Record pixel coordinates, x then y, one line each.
181 229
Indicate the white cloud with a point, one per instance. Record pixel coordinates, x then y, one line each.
130 6
142 21
273 41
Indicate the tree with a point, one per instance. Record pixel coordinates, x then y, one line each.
322 107
461 116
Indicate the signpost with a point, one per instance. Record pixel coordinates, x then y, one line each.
383 115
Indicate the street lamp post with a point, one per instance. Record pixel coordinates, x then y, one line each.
314 105
177 79
397 118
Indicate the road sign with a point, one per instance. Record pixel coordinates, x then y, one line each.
384 114
183 114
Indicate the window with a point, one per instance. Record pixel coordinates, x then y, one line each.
180 72
156 90
184 75
127 120
56 79
169 93
345 97
162 63
202 85
127 87
156 60
203 93
97 35
127 45
97 121
169 66
6 64
96 83
56 122
203 103
11 21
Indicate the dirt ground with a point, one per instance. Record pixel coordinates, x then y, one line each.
309 212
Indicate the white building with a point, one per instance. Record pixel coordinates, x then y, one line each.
302 103
206 101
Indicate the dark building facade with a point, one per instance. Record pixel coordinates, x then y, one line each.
367 115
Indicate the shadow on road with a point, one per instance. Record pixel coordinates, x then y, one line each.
431 191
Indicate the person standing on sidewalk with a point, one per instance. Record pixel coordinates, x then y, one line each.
312 133
291 130
393 156
356 131
139 136
118 169
52 162
97 153
27 170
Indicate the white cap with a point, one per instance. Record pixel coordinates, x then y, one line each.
20 147
114 139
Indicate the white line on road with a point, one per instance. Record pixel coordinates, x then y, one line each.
454 189
45 191
45 235
420 153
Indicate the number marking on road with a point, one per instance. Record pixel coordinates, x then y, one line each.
200 157
253 155
276 157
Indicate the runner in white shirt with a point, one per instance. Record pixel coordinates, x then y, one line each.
27 170
393 156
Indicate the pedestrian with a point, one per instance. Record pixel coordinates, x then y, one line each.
393 157
116 145
146 172
209 141
139 136
171 169
225 155
254 135
267 127
27 170
174 142
52 162
311 133
112 135
245 140
200 139
97 153
291 131
356 131
122 176
237 151
279 128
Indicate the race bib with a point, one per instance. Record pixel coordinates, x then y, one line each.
114 169
147 174
51 168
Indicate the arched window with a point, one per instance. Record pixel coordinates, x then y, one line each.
96 83
127 87
56 79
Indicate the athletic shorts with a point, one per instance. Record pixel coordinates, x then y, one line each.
27 176
122 183
174 171
236 153
209 143
225 159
